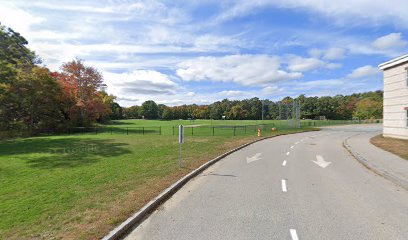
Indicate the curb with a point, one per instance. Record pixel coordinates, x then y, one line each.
138 217
383 173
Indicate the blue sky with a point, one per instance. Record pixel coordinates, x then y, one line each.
182 52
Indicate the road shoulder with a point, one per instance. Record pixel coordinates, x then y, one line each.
383 163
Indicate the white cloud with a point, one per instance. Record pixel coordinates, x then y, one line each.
301 64
231 93
333 66
56 53
146 10
242 69
271 90
315 53
334 53
166 36
18 19
390 42
319 83
364 71
215 43
353 44
90 30
343 12
139 82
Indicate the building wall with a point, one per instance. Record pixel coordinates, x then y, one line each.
395 102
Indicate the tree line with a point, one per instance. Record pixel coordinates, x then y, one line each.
366 105
34 99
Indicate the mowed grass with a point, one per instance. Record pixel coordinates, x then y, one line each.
396 146
204 127
81 186
201 126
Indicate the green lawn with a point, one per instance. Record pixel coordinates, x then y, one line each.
81 186
200 127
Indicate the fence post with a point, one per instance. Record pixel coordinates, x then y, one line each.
160 130
213 131
127 131
234 130
143 130
192 131
245 129
173 130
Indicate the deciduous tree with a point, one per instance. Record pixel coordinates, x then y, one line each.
82 85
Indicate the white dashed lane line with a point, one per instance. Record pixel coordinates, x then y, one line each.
284 189
293 234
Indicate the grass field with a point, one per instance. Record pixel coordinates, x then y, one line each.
81 186
199 127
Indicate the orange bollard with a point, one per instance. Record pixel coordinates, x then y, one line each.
259 132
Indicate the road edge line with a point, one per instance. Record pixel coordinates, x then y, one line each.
137 218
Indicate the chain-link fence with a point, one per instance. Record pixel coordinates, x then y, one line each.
198 130
116 130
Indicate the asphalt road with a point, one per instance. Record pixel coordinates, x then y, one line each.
302 186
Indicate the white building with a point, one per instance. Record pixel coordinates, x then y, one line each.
395 97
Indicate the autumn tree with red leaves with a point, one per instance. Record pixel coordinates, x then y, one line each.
83 100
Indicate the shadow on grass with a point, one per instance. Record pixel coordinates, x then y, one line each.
125 131
113 122
49 153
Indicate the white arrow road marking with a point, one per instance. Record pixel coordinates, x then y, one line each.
284 163
291 147
296 143
284 189
287 154
254 158
320 161
293 234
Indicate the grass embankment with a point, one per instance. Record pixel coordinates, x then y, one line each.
396 146
82 186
